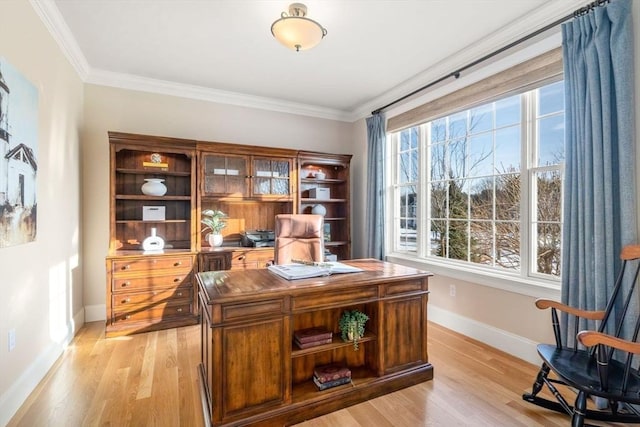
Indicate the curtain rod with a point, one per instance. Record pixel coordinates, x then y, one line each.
456 74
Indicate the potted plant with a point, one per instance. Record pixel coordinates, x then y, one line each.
352 326
213 221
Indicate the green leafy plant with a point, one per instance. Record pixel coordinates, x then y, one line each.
352 326
213 220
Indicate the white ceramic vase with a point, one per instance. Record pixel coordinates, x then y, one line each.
215 240
319 210
154 187
153 243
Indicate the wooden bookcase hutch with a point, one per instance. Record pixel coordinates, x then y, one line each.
251 184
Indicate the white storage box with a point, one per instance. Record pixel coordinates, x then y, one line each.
153 213
320 193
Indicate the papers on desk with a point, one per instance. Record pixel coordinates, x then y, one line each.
305 271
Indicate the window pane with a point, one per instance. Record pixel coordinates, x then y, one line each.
507 151
457 158
439 200
437 162
548 249
458 125
481 119
482 243
481 198
457 239
438 238
438 130
408 168
508 245
508 196
480 162
551 98
551 136
457 201
549 195
508 111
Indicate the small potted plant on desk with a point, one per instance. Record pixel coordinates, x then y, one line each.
352 326
213 221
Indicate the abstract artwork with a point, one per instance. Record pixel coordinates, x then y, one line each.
18 157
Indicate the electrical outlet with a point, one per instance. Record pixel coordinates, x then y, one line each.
452 290
12 339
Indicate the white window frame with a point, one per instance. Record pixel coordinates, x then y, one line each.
523 281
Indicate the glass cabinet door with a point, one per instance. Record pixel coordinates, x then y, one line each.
225 175
271 177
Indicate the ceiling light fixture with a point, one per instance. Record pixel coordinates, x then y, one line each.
295 30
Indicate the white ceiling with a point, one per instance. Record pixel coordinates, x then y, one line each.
223 50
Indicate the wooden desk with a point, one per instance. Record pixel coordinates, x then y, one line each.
252 374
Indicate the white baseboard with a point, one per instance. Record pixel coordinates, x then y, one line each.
510 343
19 391
93 313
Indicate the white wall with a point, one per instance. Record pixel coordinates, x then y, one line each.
110 109
40 282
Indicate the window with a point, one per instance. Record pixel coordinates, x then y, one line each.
483 186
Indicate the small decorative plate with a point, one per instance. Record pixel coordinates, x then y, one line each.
156 158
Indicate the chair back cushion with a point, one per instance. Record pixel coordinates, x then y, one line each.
298 237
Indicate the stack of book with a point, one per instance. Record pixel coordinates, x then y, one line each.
332 375
311 337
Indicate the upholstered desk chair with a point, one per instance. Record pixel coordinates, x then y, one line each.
299 237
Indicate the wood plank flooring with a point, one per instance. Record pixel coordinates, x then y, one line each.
150 379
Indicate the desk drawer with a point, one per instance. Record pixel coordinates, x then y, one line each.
133 284
180 295
157 312
332 298
151 264
250 259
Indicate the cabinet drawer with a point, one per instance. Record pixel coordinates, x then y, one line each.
133 284
151 264
242 311
408 287
249 259
332 298
159 311
180 295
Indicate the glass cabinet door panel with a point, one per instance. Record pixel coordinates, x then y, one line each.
271 177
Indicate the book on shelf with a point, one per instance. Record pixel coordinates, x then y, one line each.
305 270
330 384
312 334
331 372
309 344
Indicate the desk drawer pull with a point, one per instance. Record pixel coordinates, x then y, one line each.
177 263
126 267
126 300
179 310
177 279
179 294
125 284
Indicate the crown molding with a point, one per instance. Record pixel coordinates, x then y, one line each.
539 18
143 84
53 21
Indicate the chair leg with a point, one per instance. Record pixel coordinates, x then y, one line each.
537 385
579 410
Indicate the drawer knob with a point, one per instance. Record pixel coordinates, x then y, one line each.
126 267
177 263
179 310
126 300
179 294
240 258
177 279
125 284
127 317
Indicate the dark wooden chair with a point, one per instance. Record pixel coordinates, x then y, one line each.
588 365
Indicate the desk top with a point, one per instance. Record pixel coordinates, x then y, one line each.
236 285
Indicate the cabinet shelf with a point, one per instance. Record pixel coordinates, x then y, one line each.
336 343
158 198
321 181
307 200
307 391
139 221
151 172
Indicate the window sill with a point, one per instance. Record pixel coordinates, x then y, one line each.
516 284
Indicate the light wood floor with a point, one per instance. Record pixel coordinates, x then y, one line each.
150 379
